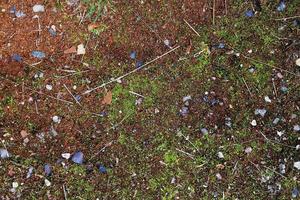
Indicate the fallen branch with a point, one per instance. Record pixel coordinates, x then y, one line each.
129 73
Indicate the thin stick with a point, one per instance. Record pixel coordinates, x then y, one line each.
186 153
214 11
191 27
131 72
275 142
274 86
65 192
137 94
287 18
36 107
270 65
72 94
247 87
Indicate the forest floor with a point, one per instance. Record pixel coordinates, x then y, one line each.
147 99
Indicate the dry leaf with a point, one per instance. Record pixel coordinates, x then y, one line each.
92 26
70 50
24 134
107 98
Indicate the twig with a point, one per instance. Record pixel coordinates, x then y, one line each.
39 92
186 153
72 95
131 72
274 86
65 192
294 17
214 11
191 27
271 65
105 146
247 86
36 107
275 142
137 94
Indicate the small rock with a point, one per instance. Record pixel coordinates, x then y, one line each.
15 185
260 112
102 169
38 8
47 183
282 168
276 120
254 123
295 193
298 147
139 64
249 13
4 153
184 111
220 155
297 128
219 176
39 75
56 119
30 172
52 31
298 62
20 14
280 133
267 99
133 55
281 6
38 54
248 150
80 49
284 89
186 98
47 169
16 57
77 157
167 42
204 131
49 87
297 165
66 155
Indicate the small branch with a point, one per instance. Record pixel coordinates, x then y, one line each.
247 86
286 18
137 94
65 192
275 142
186 153
131 72
72 95
191 28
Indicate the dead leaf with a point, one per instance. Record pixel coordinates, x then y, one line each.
107 98
70 50
92 26
24 134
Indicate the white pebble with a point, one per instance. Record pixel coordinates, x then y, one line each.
56 119
296 128
297 165
298 62
80 49
280 133
220 155
267 99
47 183
219 177
15 184
49 87
254 123
248 150
66 155
38 8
